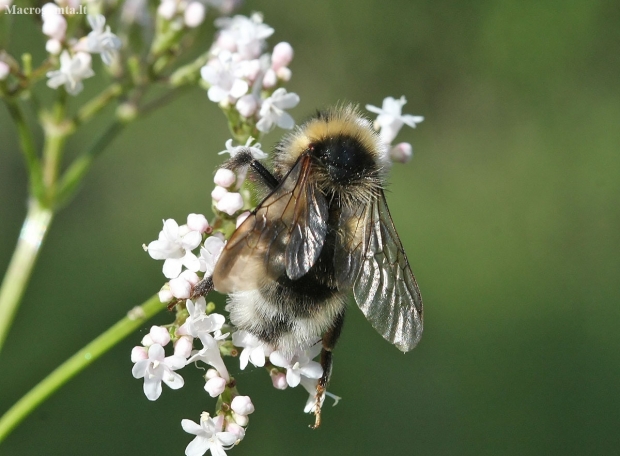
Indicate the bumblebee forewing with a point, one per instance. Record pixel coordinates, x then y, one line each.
386 290
284 234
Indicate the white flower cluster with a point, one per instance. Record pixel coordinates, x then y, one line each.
75 58
389 122
240 75
191 13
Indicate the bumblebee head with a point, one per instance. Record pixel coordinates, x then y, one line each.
348 156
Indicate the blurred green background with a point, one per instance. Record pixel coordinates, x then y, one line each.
509 212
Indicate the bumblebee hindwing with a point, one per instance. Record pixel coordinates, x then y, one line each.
385 288
283 235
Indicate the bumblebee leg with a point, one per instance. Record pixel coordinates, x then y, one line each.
203 288
329 342
245 159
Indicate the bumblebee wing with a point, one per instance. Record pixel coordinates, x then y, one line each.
384 288
283 235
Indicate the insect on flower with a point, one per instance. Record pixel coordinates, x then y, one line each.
322 230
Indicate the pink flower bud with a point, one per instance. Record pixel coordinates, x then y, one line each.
197 222
215 386
138 353
279 381
190 276
165 295
224 177
241 420
401 152
247 105
183 346
270 79
54 26
218 193
159 335
147 341
180 288
242 405
235 429
284 74
230 203
194 14
282 55
211 373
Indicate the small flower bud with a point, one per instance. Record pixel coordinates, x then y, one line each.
401 152
211 373
167 9
180 288
138 353
224 177
284 74
242 405
235 429
279 381
159 335
53 46
230 203
147 341
241 420
218 193
183 346
190 276
165 295
270 79
281 56
54 26
247 105
197 222
215 386
194 14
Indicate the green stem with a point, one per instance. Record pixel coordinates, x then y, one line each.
27 144
95 105
33 232
63 373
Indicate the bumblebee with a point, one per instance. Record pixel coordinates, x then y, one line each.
322 230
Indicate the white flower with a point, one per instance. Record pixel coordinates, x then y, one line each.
244 35
247 105
53 46
198 322
254 350
210 253
158 368
194 14
183 346
4 70
391 119
101 40
208 437
272 111
159 335
181 287
299 364
72 71
167 9
210 354
218 193
223 75
230 203
310 385
255 149
174 245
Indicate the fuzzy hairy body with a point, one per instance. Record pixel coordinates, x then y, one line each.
347 168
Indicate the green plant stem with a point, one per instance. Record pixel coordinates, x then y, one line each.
33 232
63 373
27 144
